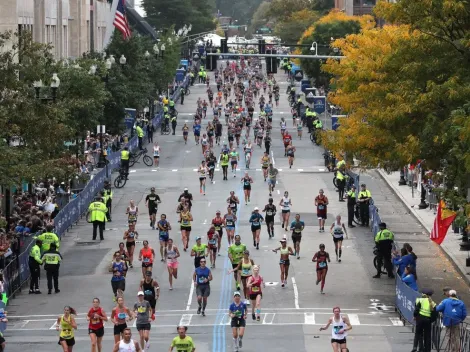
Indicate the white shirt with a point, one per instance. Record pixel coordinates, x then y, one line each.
156 150
127 347
337 326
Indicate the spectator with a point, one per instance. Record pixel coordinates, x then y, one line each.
409 278
405 259
453 313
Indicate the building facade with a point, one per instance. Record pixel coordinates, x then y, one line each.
65 24
355 7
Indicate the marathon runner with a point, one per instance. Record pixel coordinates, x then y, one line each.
171 254
164 227
151 201
322 258
235 254
255 284
284 261
237 311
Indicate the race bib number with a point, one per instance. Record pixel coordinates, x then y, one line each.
185 222
255 289
66 334
245 271
322 264
269 213
212 242
255 223
122 316
202 280
217 228
146 260
321 207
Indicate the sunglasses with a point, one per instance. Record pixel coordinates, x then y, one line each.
202 261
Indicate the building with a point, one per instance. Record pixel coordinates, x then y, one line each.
355 7
65 24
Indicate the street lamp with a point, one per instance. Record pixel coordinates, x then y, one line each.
55 83
156 50
108 64
147 54
122 60
314 48
112 59
162 49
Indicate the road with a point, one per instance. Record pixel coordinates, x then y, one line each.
291 316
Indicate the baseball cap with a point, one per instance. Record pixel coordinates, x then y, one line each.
140 293
446 289
452 293
283 240
198 238
185 188
217 212
256 208
236 293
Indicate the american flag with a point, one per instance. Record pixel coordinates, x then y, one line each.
120 20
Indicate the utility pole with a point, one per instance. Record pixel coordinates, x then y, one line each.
92 27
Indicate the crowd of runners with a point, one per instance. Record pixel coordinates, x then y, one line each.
240 89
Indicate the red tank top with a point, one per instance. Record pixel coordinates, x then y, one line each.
95 324
256 284
218 223
147 255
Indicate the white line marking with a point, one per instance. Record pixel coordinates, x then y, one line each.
296 293
134 324
277 182
154 170
396 321
238 169
186 320
272 157
190 298
222 320
278 192
174 170
205 221
268 321
132 171
309 318
194 169
321 169
53 326
300 169
279 169
354 319
216 169
258 169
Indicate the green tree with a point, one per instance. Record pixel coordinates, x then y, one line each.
292 28
240 10
259 18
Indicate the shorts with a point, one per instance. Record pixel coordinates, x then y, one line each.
213 247
202 178
234 162
130 244
324 268
342 341
173 265
153 211
119 329
197 134
271 181
255 228
291 155
185 228
247 188
284 261
264 167
98 332
238 323
285 211
147 265
337 239
269 219
234 266
70 342
143 326
296 237
164 238
185 133
152 301
203 290
254 295
218 134
231 228
220 232
230 138
156 156
118 285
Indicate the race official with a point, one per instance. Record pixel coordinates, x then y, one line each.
35 267
384 242
108 198
48 237
351 196
125 155
51 260
424 314
97 215
364 201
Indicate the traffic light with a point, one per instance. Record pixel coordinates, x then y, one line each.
261 46
268 62
223 46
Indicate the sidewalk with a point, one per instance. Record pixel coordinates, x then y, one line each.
426 218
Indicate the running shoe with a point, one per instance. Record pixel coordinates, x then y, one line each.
282 285
199 310
253 316
258 318
257 246
203 313
240 343
317 282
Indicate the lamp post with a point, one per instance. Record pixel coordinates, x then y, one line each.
314 48
122 60
422 204
156 51
55 83
162 49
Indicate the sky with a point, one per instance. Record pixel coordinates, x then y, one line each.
139 8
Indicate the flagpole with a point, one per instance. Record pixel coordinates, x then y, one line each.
110 25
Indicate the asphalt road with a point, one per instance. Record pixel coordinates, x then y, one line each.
291 316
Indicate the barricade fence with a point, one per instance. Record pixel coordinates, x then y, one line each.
16 272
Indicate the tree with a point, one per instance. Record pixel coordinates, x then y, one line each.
282 9
292 28
240 10
259 17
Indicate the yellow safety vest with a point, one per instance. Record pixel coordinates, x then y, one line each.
47 238
384 235
140 131
35 253
364 194
425 307
339 176
51 258
125 155
98 211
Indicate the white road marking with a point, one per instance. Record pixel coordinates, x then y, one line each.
278 192
222 320
354 319
321 169
194 169
174 170
186 320
205 221
258 169
134 324
209 204
279 169
217 169
268 318
53 326
132 171
272 158
396 321
300 169
154 170
296 293
190 298
309 318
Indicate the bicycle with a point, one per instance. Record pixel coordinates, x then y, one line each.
383 270
349 181
165 129
187 91
134 158
121 179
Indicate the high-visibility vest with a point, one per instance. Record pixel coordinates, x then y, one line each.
125 155
98 211
425 306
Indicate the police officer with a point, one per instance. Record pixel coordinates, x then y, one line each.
108 198
52 259
341 183
140 135
351 196
171 104
310 116
192 77
182 94
35 267
166 121
384 242
97 212
364 199
48 237
299 104
173 123
125 155
423 314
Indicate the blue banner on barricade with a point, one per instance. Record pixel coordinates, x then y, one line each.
405 300
374 219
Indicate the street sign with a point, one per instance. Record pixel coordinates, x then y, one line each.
309 97
319 104
335 121
299 75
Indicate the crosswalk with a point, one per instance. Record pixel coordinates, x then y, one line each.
293 170
215 317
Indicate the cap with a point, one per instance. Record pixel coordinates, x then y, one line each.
217 212
236 293
256 208
198 238
446 289
427 291
283 240
185 188
140 293
452 293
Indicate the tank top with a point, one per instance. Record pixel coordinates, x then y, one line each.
204 141
212 239
337 230
156 151
232 203
149 290
285 203
130 236
336 327
230 220
95 324
170 255
269 210
322 260
202 171
185 220
217 223
132 213
283 125
284 251
127 347
121 315
256 284
246 268
164 225
246 182
265 161
66 329
147 255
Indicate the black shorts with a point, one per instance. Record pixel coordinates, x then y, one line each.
247 188
70 342
118 285
152 301
296 237
269 219
203 290
238 323
254 295
98 332
220 232
185 228
230 138
143 326
202 178
147 265
255 228
284 262
342 341
234 162
285 211
130 244
119 329
153 211
337 239
234 266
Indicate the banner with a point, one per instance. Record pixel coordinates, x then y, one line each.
319 104
405 300
180 73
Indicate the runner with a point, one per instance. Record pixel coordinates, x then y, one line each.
156 154
199 252
297 226
132 212
234 159
237 311
185 220
196 131
95 317
284 262
212 241
270 210
248 149
322 258
171 254
218 223
283 124
272 174
245 265
235 254
233 202
265 165
254 284
247 181
127 344
230 220
290 150
204 143
338 230
143 313
188 197
285 204
163 227
201 278
182 343
120 315
224 159
146 256
202 177
339 330
287 139
130 236
321 202
185 133
151 290
151 202
118 280
256 219
66 324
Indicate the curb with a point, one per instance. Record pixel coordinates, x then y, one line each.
416 215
